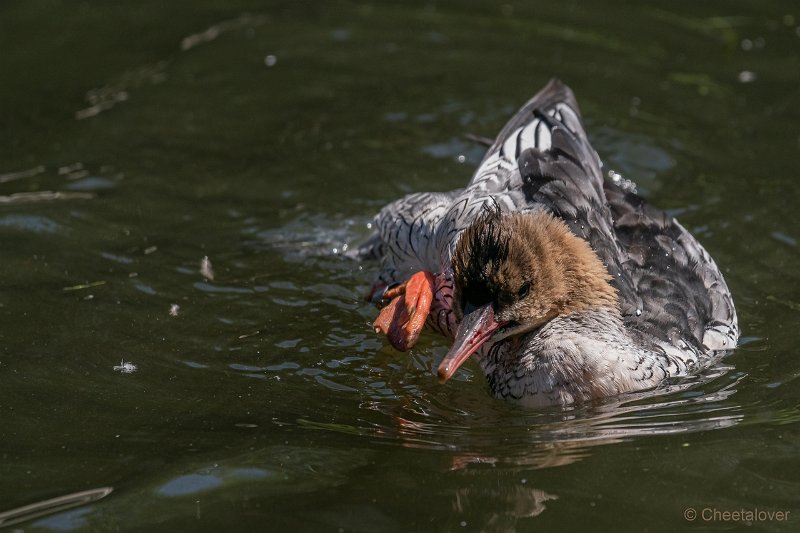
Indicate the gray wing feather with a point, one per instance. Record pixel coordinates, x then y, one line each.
405 235
669 287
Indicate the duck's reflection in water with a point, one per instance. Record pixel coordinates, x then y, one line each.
510 443
498 509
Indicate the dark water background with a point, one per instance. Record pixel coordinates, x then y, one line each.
138 138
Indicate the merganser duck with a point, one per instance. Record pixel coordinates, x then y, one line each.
567 287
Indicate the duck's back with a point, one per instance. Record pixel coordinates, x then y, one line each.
674 290
672 295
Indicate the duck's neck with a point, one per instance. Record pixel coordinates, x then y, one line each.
573 358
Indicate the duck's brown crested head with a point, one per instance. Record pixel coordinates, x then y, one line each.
529 266
515 272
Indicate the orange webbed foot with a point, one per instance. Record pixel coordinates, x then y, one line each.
405 316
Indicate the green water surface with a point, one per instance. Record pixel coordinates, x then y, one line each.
137 138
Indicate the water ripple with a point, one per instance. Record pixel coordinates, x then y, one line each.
33 223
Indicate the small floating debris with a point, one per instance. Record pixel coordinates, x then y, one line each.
150 250
125 368
174 309
246 335
206 269
84 286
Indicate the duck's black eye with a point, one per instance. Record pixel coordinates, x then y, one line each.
524 290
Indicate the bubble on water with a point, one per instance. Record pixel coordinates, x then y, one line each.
746 44
624 183
270 60
461 158
746 76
